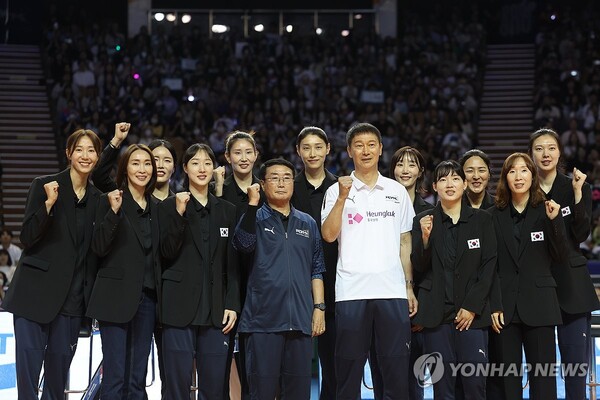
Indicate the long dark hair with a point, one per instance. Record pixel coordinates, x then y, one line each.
122 168
503 193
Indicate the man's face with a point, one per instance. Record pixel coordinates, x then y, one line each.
365 150
278 184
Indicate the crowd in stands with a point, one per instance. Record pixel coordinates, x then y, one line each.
568 89
421 89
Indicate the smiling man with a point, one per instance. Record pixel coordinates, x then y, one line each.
371 217
284 300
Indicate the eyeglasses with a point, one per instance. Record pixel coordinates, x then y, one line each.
275 180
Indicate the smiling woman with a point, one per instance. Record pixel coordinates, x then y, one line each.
51 286
128 286
575 289
201 298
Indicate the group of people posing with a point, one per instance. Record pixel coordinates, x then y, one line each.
362 262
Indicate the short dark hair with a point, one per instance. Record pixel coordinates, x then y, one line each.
448 167
122 167
413 155
311 130
191 152
262 172
503 194
167 145
476 153
359 128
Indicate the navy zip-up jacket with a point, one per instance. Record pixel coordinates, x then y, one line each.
279 296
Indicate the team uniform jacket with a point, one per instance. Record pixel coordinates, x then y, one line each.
474 272
43 278
117 242
279 297
524 277
182 275
575 288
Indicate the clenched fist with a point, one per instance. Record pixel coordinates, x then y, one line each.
219 175
552 208
426 227
115 199
181 200
344 184
253 194
121 131
51 189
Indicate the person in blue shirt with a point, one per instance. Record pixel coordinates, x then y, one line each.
284 304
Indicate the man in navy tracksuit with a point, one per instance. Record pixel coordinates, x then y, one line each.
284 304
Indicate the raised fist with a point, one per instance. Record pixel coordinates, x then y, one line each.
426 227
552 208
253 194
115 199
345 184
51 189
181 200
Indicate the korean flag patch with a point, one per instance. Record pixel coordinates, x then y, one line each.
224 232
565 211
537 236
473 244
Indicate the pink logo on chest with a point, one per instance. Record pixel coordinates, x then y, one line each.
354 218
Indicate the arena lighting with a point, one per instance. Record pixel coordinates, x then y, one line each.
289 28
553 17
186 18
218 28
190 98
357 16
345 32
259 28
159 16
318 31
136 76
171 17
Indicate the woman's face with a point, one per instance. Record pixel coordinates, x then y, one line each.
313 150
519 177
165 165
407 171
477 174
84 156
199 169
139 169
545 153
242 156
